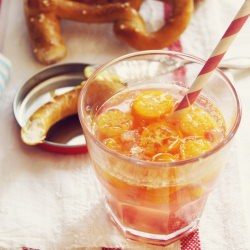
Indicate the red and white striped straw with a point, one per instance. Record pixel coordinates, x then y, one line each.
216 56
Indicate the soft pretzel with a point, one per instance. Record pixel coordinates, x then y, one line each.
43 18
38 125
131 28
133 3
45 33
61 106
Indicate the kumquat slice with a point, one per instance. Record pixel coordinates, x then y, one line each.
196 122
155 135
194 147
152 104
113 123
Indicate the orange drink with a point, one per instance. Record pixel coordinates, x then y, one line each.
156 167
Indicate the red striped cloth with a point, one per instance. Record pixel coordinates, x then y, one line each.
192 241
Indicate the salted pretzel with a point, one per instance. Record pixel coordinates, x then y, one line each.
43 19
61 106
38 125
133 30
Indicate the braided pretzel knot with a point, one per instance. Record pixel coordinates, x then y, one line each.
43 19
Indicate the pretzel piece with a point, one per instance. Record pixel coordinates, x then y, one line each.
131 28
38 125
43 22
45 33
136 4
36 128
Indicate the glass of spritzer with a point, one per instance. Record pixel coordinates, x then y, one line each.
156 166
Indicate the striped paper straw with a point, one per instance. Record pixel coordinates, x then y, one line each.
216 56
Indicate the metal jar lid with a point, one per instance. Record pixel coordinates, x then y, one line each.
66 136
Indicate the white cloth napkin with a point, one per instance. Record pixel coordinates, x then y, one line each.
52 201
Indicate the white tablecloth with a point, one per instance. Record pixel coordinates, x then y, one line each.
43 195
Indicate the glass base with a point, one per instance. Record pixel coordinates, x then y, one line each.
153 239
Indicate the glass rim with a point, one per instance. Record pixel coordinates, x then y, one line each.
144 163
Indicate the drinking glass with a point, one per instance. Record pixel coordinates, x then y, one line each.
149 201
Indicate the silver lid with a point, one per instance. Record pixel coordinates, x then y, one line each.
66 136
